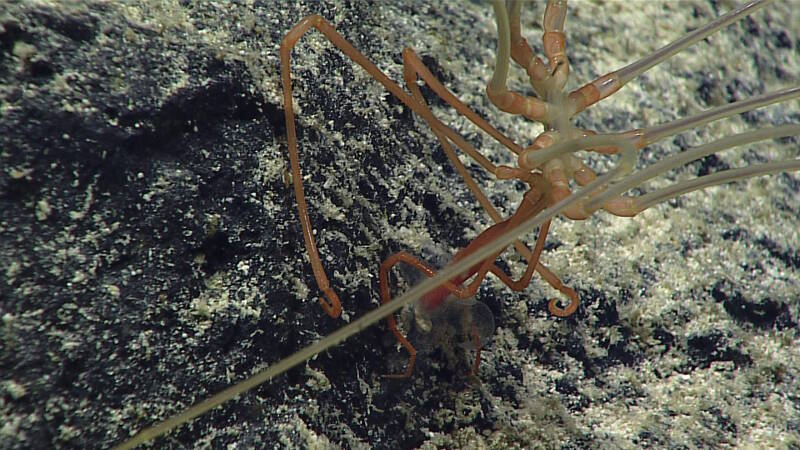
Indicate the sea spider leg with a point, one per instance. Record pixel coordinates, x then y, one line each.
435 298
505 100
413 68
558 166
630 206
543 78
607 84
332 306
549 107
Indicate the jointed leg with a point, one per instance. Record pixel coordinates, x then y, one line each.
435 297
428 271
547 82
546 274
497 91
333 305
476 340
383 276
628 142
413 68
468 291
543 78
606 85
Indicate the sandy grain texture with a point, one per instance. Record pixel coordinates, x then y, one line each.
151 253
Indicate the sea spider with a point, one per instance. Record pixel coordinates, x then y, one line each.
338 337
548 165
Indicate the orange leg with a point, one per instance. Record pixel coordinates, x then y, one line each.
428 271
330 302
413 68
332 305
554 75
434 299
459 291
476 340
545 81
383 276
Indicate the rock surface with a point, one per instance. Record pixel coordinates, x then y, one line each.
151 253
